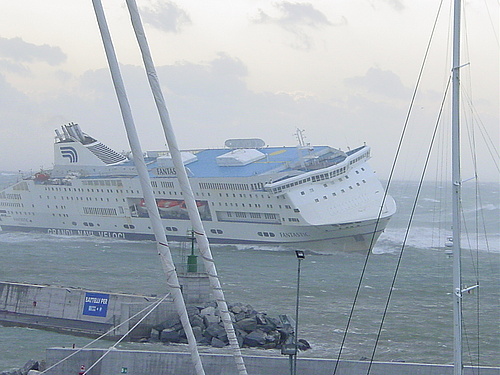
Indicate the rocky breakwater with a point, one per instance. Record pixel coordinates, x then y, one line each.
253 329
31 367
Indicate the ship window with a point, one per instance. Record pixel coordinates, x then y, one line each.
334 194
357 172
343 190
325 197
350 187
316 200
302 193
357 184
364 181
362 169
325 185
74 223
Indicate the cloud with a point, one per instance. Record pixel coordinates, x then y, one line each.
18 50
13 67
380 82
208 103
296 18
397 5
295 14
165 16
11 100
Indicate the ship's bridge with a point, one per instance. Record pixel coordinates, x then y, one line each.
337 166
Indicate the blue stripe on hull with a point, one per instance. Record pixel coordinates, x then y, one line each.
119 235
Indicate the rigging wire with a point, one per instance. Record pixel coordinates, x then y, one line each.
391 289
123 337
153 305
391 174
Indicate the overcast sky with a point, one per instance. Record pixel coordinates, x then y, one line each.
343 70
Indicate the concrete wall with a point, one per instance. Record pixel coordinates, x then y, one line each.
157 363
87 312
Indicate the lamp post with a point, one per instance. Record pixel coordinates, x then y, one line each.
300 256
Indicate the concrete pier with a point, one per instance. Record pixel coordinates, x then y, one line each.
158 363
87 312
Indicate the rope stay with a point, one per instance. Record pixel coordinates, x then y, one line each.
391 174
152 306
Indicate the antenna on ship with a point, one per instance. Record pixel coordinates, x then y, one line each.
299 133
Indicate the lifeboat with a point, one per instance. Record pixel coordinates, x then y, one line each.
40 176
163 204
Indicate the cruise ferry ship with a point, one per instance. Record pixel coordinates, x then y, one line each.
306 197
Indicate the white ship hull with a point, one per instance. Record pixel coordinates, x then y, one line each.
340 207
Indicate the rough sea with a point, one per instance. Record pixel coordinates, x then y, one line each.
418 323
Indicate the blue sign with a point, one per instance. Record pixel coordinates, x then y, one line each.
96 304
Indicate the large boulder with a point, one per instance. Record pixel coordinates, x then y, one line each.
216 330
247 324
170 336
216 343
255 338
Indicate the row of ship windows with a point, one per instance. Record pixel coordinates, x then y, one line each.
102 182
261 234
9 204
163 184
341 190
121 191
334 194
365 155
10 196
84 199
321 177
249 195
252 215
17 212
99 211
256 205
223 186
91 190
266 234
315 178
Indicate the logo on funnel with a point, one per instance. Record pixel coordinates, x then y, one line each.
70 153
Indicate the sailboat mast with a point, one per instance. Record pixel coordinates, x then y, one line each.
456 189
160 236
194 215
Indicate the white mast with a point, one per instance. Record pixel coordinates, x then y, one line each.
456 181
161 239
182 176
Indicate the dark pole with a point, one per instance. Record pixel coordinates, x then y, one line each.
300 256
